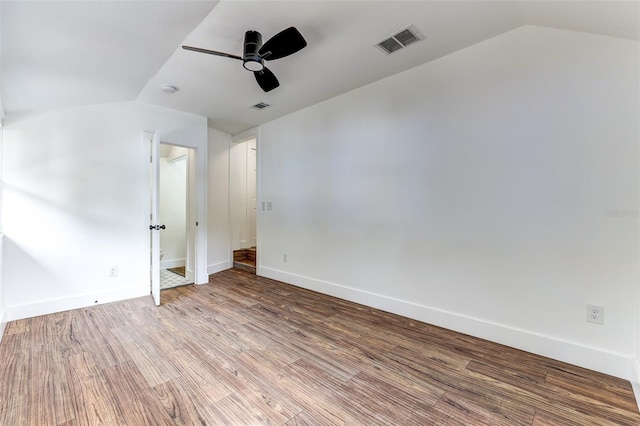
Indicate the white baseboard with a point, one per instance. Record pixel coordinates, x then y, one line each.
636 392
570 352
172 263
3 322
219 267
635 382
50 306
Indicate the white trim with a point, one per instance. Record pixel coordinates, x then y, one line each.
219 267
172 263
635 381
50 306
636 392
615 364
3 322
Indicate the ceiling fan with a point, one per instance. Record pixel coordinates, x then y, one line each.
285 43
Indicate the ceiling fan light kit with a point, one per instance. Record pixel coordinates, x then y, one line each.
285 43
251 58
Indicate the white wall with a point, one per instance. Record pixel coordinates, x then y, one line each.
76 201
2 307
219 236
173 210
474 192
1 104
3 311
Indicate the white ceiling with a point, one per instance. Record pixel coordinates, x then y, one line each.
63 53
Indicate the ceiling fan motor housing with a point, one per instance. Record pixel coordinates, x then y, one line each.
283 44
251 58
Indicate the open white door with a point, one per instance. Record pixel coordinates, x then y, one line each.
154 226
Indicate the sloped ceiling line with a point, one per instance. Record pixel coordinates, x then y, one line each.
57 53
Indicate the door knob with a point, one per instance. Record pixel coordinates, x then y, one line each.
158 227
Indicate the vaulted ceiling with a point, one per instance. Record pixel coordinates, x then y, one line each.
57 54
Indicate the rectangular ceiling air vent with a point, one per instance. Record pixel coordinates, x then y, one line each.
399 40
260 105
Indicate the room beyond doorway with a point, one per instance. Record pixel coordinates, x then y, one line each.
176 241
243 203
245 259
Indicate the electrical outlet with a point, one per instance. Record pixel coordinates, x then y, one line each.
113 271
595 314
284 258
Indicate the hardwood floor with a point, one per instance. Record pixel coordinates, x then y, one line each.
248 350
245 259
180 270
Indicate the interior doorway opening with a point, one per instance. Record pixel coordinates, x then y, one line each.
196 261
176 240
243 185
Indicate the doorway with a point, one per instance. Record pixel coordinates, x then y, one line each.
243 184
176 265
196 259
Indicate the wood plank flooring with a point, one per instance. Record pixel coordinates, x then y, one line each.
245 259
180 270
245 350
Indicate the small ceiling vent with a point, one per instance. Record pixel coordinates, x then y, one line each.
400 40
260 105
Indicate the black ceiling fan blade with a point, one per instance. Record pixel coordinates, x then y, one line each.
211 52
266 79
282 44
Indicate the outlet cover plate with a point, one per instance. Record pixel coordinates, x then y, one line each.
595 314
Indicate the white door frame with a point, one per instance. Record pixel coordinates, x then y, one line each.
200 215
253 133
